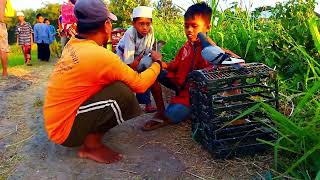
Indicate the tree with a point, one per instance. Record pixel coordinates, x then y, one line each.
167 10
50 11
123 10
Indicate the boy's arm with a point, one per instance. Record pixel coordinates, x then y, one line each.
31 33
129 48
31 36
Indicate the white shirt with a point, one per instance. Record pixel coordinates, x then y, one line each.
131 45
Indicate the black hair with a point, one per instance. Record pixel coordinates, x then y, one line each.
45 19
137 18
201 9
89 28
38 15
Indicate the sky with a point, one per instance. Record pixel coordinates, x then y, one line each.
35 4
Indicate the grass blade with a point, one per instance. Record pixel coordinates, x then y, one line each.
314 31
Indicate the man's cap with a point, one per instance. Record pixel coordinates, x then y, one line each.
90 11
142 11
20 13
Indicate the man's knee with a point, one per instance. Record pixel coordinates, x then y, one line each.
123 91
177 112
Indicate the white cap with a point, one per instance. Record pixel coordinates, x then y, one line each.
20 13
142 11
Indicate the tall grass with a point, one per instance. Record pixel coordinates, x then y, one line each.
172 33
288 41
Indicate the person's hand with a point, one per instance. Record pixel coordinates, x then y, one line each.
156 56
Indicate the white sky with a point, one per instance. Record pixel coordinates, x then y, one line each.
35 4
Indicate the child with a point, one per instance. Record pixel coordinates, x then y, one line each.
196 19
52 30
24 37
68 22
42 37
137 42
53 45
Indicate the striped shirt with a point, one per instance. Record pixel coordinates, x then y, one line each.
23 31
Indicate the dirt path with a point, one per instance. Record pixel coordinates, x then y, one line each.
168 153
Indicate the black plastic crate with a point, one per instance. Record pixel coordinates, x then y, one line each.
218 96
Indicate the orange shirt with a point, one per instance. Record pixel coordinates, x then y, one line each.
83 70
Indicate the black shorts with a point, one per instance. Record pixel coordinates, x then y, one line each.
108 108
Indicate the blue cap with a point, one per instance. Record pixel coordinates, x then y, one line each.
90 11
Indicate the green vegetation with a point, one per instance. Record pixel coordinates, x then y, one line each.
289 41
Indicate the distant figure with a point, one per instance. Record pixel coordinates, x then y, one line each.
67 22
4 46
42 37
62 33
55 52
24 37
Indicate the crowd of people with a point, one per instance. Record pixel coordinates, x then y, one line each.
43 34
92 89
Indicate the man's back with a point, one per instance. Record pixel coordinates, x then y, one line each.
83 70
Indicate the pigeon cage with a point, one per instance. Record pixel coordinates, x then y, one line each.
219 97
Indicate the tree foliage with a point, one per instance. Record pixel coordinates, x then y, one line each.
123 10
167 10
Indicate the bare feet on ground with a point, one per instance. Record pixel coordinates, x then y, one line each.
102 154
94 149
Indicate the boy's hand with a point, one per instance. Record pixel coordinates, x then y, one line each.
156 56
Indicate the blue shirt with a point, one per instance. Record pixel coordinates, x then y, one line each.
53 33
42 33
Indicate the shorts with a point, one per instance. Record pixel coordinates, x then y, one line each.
177 112
4 46
108 108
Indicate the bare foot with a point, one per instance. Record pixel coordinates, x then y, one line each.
102 154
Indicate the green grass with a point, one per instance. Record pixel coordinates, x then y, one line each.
288 41
16 58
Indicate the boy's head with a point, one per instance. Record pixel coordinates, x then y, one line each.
46 21
20 16
142 19
197 19
40 18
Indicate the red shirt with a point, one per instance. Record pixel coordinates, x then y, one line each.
188 59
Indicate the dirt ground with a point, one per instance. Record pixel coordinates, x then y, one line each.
167 153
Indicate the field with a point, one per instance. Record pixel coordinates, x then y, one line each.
288 41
